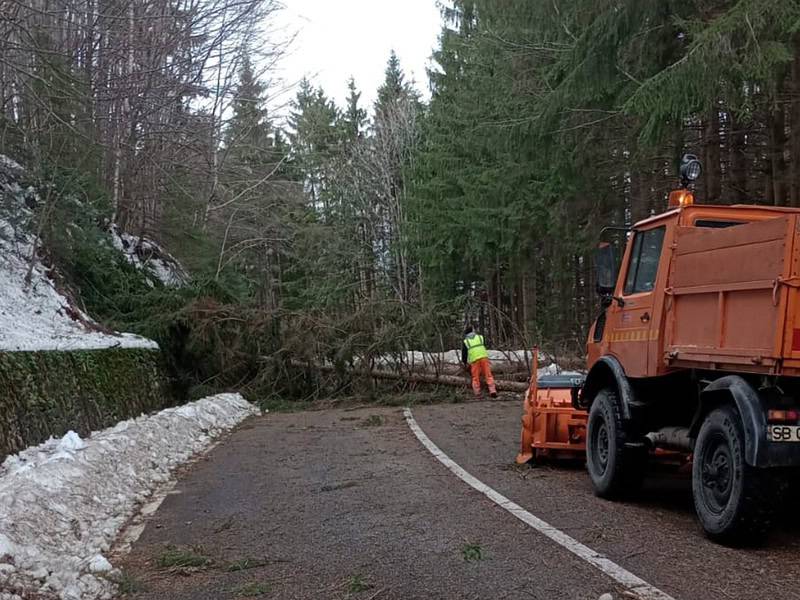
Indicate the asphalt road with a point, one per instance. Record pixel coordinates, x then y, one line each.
348 504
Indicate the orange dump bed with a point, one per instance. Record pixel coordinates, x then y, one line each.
731 299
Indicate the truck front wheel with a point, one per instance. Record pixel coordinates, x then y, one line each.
732 499
615 470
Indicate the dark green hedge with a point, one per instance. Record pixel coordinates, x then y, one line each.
45 394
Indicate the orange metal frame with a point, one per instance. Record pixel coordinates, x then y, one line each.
551 426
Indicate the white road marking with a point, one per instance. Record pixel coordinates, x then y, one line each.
637 586
136 525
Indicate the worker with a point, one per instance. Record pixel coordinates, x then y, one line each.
476 358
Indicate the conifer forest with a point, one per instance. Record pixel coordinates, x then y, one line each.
334 232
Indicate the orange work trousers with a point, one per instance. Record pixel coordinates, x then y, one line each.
478 368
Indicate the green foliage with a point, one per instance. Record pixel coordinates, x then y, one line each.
472 552
314 139
549 121
180 557
372 421
371 232
729 51
247 137
394 89
49 393
245 564
253 589
122 297
484 194
357 584
126 583
355 117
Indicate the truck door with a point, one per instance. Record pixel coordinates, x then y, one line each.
633 324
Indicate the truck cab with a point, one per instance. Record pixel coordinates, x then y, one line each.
679 268
697 349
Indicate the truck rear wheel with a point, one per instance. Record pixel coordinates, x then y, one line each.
732 499
615 470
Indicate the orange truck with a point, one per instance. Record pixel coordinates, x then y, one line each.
697 350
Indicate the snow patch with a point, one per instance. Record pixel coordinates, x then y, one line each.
99 564
34 315
62 503
71 442
146 255
10 165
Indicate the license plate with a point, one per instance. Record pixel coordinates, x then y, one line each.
783 433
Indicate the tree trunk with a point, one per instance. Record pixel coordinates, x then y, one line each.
738 160
434 378
776 123
794 109
711 165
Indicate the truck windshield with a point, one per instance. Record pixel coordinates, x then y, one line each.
645 256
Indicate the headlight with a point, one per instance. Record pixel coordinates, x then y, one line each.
690 168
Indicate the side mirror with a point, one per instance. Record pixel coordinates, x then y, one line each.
606 268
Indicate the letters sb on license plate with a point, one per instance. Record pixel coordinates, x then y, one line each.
783 433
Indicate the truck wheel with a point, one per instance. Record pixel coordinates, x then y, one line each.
732 499
614 469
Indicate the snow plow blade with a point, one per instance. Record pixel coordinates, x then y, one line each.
551 425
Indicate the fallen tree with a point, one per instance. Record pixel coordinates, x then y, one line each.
413 377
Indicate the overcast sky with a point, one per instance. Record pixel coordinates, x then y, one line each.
337 39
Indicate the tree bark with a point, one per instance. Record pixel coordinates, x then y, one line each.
433 378
738 160
776 123
712 166
794 197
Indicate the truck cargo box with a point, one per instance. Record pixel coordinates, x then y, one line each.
731 297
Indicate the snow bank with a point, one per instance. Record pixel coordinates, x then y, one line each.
34 315
147 255
63 503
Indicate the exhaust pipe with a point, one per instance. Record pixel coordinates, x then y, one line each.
671 438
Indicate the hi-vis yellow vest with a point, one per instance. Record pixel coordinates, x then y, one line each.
476 349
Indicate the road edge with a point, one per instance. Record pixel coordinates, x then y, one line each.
634 584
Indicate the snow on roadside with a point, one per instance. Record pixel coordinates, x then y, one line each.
63 503
36 316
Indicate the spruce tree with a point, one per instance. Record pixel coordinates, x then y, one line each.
249 136
355 117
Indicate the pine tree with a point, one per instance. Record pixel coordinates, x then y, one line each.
254 212
394 92
314 138
249 136
394 85
355 117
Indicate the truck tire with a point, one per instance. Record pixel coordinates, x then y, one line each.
615 470
733 500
